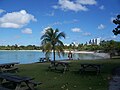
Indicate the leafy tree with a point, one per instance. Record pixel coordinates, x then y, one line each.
116 31
73 46
16 47
80 47
51 41
109 47
70 47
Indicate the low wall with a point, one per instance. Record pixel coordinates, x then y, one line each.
104 55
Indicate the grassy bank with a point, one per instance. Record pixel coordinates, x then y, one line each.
71 80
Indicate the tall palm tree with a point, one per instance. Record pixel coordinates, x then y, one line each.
51 41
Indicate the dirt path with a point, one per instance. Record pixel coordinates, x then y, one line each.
114 84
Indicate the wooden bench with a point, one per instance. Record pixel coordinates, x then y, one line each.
57 64
34 83
7 67
17 81
90 67
12 69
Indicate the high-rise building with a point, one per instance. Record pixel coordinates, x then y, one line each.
95 41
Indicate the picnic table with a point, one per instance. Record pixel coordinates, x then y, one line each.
44 59
5 67
90 67
64 64
17 81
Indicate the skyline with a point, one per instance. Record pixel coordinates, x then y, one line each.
23 22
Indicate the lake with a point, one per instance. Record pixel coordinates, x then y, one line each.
25 57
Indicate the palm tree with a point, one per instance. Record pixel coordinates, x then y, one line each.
51 41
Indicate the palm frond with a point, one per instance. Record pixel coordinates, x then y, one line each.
44 41
60 50
59 42
60 35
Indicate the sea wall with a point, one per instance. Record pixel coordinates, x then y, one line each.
104 55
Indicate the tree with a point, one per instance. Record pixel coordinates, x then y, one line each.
109 47
51 41
116 31
80 47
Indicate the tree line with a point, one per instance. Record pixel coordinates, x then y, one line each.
22 47
109 46
105 46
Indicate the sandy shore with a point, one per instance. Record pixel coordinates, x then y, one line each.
80 51
104 55
41 51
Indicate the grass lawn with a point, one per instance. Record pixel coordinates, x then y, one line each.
71 80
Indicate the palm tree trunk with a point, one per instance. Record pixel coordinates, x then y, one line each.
54 54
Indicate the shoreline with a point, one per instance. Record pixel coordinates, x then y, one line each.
64 51
22 50
104 55
81 51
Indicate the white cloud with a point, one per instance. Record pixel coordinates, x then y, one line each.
56 23
64 22
27 31
69 5
50 14
55 7
87 34
114 37
111 19
101 26
102 7
76 30
45 29
16 19
87 2
1 11
77 5
69 22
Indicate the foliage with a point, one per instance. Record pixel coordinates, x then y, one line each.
91 47
109 46
16 47
116 31
51 41
112 47
80 47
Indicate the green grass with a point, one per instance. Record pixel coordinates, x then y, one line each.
71 80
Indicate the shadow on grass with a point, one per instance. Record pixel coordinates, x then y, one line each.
86 73
55 70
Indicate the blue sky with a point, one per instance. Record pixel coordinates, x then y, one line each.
23 22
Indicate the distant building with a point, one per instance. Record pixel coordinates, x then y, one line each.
95 41
75 43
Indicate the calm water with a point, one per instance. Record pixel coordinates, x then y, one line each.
33 56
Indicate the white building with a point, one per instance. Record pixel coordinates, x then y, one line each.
95 41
